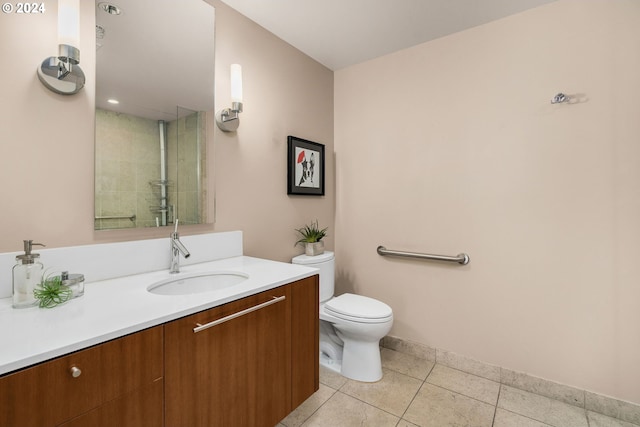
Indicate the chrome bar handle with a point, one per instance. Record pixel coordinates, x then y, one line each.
274 300
129 217
461 258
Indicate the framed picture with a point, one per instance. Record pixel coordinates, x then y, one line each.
305 167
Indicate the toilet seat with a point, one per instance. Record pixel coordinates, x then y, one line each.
358 308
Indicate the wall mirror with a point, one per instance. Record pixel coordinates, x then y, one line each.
154 87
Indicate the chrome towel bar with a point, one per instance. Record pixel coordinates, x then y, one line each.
129 217
460 258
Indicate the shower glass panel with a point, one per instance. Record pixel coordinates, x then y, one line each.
186 154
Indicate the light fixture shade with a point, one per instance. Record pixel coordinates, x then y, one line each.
236 83
228 119
69 22
62 74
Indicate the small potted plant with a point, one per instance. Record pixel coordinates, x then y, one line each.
312 238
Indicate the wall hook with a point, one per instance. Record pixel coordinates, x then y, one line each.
560 98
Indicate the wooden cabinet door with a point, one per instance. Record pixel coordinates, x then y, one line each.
48 394
236 373
305 342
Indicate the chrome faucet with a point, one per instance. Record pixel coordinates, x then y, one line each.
177 248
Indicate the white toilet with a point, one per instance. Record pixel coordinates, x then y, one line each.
351 326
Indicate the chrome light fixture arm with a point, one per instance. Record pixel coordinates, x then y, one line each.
62 74
228 119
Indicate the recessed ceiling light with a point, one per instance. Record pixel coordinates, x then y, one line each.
113 101
110 8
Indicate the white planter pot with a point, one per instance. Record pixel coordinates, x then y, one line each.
313 249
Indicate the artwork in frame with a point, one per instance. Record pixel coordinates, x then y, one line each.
305 167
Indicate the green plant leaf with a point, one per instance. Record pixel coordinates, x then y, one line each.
51 292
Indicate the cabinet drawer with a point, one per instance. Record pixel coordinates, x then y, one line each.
55 391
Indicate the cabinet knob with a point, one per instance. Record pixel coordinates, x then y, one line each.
75 371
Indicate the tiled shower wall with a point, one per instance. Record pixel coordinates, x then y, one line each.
127 159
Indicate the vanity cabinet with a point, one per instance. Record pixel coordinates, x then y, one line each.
89 383
251 369
247 363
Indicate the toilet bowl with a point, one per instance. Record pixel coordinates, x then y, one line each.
351 326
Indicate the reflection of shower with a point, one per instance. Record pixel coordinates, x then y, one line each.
162 208
178 191
162 126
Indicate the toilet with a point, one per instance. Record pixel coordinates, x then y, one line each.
351 326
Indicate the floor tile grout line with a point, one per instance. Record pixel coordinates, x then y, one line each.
369 404
374 406
467 373
586 414
462 394
400 417
425 381
495 408
431 370
318 408
527 417
416 393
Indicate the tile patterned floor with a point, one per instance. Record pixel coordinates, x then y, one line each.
419 393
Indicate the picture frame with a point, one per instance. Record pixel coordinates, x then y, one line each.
305 167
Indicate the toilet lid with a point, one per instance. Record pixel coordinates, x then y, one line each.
353 307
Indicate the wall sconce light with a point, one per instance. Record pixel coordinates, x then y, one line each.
61 73
228 119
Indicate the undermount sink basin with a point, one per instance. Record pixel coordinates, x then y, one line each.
196 283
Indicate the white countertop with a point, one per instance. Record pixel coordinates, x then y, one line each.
116 307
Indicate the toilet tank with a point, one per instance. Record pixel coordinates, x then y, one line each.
325 262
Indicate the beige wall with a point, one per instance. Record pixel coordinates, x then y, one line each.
47 140
46 161
453 146
285 93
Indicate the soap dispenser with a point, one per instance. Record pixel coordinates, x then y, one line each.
27 274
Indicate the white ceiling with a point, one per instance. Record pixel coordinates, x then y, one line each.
339 33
